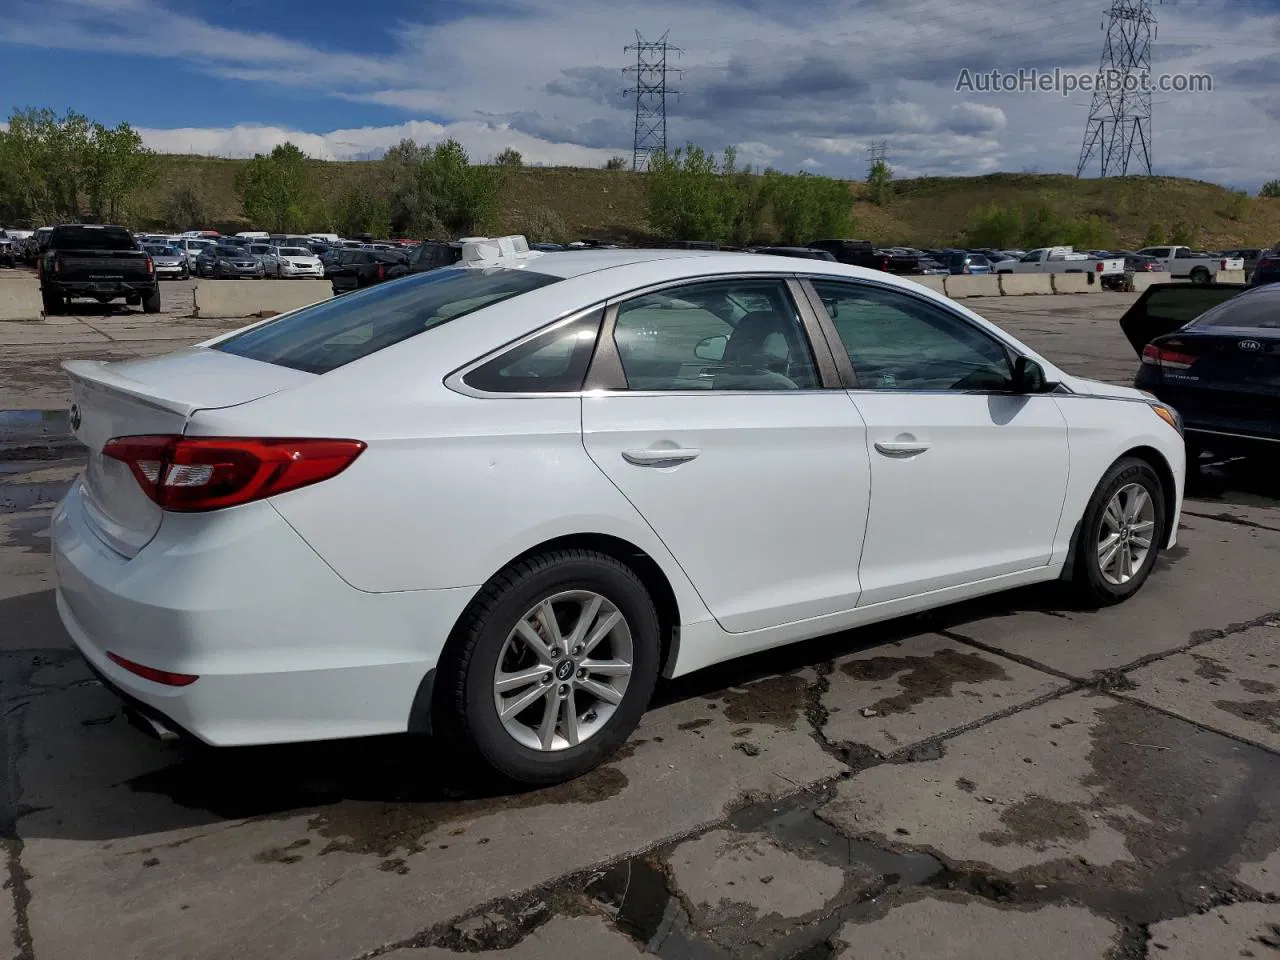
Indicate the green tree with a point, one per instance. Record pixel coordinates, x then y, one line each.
805 207
880 183
1155 236
1088 233
743 201
683 193
399 169
185 208
616 163
1183 234
458 195
509 158
362 210
115 164
994 226
277 191
42 165
1270 189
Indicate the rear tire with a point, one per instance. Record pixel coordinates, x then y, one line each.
1120 535
1200 275
151 301
489 642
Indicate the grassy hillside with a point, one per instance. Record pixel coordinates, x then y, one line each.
925 212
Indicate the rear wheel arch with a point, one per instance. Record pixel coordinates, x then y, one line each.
646 569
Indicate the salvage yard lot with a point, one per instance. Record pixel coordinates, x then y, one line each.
1001 779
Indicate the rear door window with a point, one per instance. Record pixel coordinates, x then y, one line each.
1181 304
336 332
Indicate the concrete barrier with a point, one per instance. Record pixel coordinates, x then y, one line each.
251 298
1141 281
1075 283
20 298
959 286
1025 284
1229 276
936 284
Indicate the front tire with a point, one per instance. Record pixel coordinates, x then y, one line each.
551 667
1120 534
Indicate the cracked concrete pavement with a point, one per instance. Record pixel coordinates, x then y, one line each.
1005 778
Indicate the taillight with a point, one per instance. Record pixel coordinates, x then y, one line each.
195 474
1166 358
166 677
382 271
884 264
151 266
1098 268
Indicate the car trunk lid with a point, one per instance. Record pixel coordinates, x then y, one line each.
147 397
1166 307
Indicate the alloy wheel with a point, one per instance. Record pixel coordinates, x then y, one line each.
1126 534
563 671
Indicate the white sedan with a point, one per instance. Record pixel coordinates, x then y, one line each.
496 501
284 262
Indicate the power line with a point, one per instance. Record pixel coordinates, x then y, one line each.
650 89
1118 131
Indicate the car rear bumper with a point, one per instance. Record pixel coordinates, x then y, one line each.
284 650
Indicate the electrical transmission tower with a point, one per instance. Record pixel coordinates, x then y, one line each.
877 153
1118 133
650 88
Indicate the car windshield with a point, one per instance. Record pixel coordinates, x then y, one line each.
295 252
1258 309
335 332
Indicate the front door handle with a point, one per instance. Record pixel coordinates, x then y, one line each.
902 448
660 456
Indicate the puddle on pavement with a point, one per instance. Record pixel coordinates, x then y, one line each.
26 533
778 701
923 678
17 494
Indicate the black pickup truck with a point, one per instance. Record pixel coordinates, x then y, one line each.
102 263
860 253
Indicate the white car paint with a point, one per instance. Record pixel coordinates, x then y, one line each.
317 613
1183 262
1061 260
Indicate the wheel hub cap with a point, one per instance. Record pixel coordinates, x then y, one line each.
563 671
1126 534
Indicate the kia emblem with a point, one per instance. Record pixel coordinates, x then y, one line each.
1249 346
75 416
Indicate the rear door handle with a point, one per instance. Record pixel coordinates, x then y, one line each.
659 456
902 448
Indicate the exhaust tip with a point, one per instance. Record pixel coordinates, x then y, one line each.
150 725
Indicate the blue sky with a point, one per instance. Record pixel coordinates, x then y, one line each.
796 85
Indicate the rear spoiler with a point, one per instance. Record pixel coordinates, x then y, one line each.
94 375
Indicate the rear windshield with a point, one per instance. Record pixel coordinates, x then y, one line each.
91 238
1258 309
336 332
1182 303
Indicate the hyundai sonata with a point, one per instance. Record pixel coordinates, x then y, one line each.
498 500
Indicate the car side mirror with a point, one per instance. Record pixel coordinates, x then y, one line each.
1029 377
711 348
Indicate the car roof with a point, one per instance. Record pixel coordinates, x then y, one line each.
678 264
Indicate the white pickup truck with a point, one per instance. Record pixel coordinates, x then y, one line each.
1062 260
1183 263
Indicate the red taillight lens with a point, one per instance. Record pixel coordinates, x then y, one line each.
382 271
151 266
1098 268
194 474
1167 358
166 677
